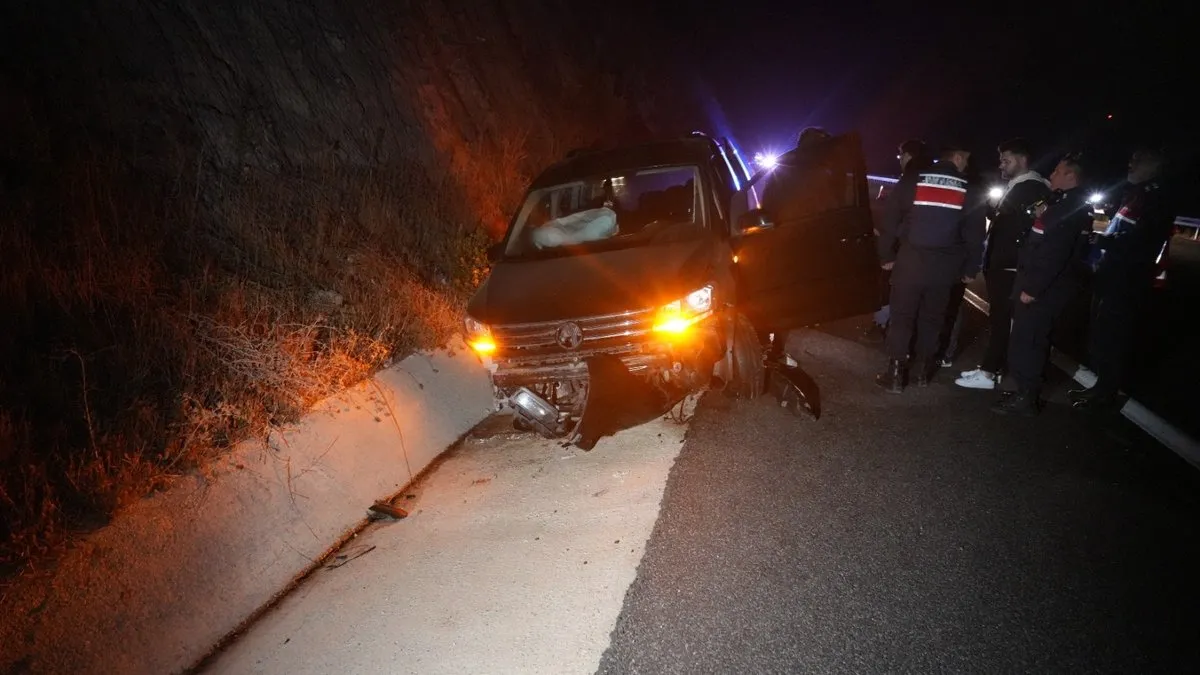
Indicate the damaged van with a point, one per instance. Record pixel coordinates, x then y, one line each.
629 278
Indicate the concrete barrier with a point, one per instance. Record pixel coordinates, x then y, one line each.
174 574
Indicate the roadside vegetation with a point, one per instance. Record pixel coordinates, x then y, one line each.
148 326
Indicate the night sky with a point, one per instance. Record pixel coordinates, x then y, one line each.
944 71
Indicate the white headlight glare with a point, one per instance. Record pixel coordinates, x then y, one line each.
700 301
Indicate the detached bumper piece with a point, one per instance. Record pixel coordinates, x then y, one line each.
793 388
617 399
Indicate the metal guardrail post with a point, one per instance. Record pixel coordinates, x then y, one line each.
1192 224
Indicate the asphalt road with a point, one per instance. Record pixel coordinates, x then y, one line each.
914 533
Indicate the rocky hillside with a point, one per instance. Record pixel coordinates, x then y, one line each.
216 212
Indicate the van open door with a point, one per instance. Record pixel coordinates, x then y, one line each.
808 256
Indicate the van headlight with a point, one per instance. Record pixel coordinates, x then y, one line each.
676 318
479 337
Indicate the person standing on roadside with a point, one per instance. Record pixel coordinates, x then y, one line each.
797 187
930 238
1010 223
1124 275
956 312
913 155
1049 274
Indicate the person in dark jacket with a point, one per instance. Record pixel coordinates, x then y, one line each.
798 187
1124 274
1049 274
914 158
930 237
1010 222
956 312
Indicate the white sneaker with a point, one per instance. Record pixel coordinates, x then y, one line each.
973 373
977 379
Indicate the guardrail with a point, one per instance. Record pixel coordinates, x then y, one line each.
878 185
1192 224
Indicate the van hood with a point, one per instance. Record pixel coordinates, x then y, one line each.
605 282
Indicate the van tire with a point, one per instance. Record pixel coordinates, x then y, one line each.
746 353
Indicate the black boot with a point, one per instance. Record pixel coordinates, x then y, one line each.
924 372
873 334
1023 403
1081 394
1101 394
1095 399
892 379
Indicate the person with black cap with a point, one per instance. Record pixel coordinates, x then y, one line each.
1049 274
930 237
1124 274
797 187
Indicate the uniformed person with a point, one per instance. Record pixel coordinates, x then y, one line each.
1124 274
938 221
914 158
1049 274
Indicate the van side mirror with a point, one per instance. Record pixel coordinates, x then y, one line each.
753 221
495 251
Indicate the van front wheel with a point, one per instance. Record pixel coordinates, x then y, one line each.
746 354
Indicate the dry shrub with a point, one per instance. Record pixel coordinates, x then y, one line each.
151 328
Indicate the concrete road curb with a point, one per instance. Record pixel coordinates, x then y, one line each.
174 574
1162 430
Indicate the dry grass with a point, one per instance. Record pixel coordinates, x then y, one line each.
149 325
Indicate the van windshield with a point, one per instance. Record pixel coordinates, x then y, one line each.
628 208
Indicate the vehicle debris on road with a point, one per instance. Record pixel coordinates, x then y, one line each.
380 510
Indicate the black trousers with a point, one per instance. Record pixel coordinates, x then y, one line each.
948 341
1000 316
1029 343
1110 338
917 307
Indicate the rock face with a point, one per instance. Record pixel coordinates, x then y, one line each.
284 84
